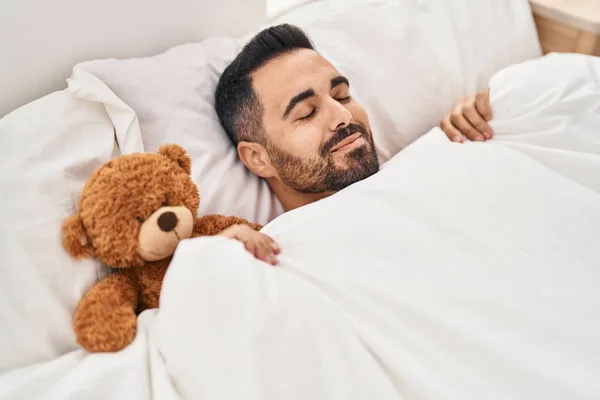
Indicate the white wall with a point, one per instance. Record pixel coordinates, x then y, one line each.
41 40
276 7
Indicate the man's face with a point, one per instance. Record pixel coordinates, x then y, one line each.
318 137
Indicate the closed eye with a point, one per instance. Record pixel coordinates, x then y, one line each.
309 115
343 99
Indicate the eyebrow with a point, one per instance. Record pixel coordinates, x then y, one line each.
338 80
297 99
300 97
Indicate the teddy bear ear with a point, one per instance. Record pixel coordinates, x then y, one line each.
74 239
177 154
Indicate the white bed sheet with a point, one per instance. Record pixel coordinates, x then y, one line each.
459 271
137 372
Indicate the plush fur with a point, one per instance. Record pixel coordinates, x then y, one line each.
133 212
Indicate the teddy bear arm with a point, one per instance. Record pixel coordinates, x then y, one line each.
215 223
105 319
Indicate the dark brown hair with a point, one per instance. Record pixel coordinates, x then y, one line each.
237 104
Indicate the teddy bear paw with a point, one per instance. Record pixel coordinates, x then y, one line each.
107 333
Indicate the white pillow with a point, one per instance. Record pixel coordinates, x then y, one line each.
40 284
49 148
173 96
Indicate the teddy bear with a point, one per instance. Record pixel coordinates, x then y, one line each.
133 212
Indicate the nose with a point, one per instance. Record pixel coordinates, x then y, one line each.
167 221
340 116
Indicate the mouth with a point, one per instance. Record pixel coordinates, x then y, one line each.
350 142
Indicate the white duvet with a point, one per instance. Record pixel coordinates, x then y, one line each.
459 271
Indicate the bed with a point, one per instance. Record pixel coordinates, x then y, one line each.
458 271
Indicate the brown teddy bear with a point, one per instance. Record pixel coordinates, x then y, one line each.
133 212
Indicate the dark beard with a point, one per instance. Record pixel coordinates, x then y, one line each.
322 175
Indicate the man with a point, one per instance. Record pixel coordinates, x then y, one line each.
290 114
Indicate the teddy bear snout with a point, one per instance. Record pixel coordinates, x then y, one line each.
167 221
162 231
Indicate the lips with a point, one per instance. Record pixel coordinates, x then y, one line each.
348 140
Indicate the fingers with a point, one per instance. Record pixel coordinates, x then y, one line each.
260 245
482 103
265 250
469 117
476 120
251 247
261 250
274 246
458 119
450 131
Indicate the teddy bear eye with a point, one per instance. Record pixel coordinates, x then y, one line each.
139 219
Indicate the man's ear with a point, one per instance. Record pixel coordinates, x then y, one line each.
177 154
255 158
74 239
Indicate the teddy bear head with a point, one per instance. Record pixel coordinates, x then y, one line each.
134 209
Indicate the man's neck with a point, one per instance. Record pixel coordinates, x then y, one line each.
291 199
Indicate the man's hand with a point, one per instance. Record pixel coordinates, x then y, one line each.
469 117
259 244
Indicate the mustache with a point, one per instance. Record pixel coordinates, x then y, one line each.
340 135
